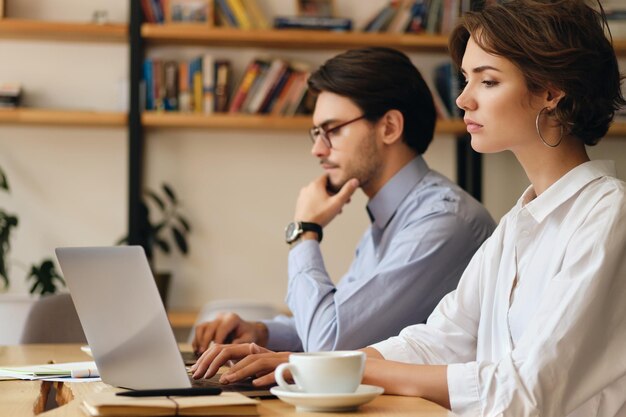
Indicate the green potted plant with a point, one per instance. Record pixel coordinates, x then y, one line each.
164 228
46 278
14 307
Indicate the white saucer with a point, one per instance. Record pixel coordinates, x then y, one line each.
328 402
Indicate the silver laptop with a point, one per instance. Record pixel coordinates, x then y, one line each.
125 322
123 317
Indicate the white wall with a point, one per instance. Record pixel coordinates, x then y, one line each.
238 187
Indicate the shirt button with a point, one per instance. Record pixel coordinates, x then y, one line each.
525 233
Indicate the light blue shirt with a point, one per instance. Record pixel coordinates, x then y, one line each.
424 231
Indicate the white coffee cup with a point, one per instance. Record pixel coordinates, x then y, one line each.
337 372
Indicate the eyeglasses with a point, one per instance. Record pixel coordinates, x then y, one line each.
324 134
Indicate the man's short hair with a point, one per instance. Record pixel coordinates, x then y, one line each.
378 80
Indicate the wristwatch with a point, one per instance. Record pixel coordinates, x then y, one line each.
294 230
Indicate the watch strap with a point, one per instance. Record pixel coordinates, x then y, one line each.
312 227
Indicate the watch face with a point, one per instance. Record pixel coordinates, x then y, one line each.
292 231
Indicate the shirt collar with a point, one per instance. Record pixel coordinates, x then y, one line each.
385 203
562 190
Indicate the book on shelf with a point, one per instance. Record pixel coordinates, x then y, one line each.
10 95
223 76
197 84
416 16
184 91
340 24
104 404
272 77
249 75
208 84
257 16
225 16
240 13
188 11
170 70
447 85
264 65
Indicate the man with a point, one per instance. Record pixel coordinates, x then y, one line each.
374 117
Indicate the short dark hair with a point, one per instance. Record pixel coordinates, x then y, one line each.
378 80
555 43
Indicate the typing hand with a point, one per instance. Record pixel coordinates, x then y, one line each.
228 328
252 361
316 205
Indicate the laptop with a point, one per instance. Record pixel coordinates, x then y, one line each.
125 323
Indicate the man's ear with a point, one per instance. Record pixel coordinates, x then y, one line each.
392 126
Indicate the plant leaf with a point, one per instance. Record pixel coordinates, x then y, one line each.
158 201
170 193
163 245
4 182
184 222
180 240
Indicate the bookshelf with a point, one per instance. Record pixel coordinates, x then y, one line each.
65 32
62 31
52 117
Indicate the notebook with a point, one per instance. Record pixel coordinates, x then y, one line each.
125 322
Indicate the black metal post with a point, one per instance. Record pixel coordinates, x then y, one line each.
135 128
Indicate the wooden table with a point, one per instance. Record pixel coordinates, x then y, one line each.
29 398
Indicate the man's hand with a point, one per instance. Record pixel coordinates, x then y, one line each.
228 328
253 361
316 205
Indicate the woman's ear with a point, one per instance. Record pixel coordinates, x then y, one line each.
392 126
552 98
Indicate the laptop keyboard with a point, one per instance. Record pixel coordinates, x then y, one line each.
245 387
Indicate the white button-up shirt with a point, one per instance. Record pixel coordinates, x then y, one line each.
537 325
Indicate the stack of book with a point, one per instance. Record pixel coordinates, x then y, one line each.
273 86
10 95
418 16
203 85
173 11
337 24
241 14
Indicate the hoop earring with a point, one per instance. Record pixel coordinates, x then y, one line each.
541 136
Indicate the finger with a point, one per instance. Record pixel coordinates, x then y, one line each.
228 325
202 364
221 356
347 190
246 368
268 379
208 335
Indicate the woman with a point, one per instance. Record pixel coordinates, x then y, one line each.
537 323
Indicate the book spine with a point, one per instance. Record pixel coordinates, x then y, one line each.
184 95
274 93
246 82
208 83
240 14
226 13
171 86
222 85
149 83
146 8
308 22
274 73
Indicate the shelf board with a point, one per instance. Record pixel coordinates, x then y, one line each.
64 31
289 38
24 116
245 121
300 39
